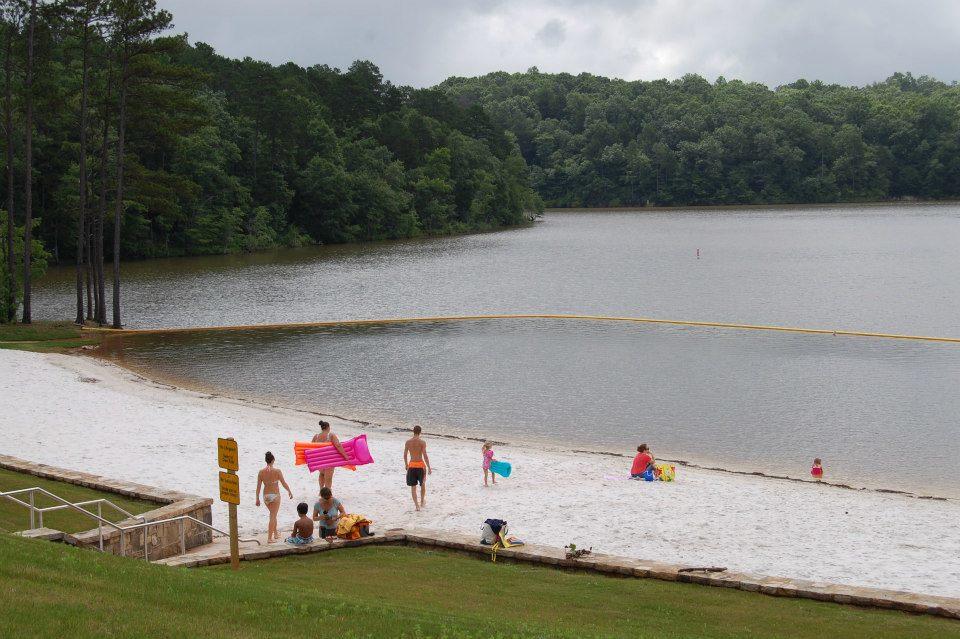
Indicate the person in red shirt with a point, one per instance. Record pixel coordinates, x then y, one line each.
643 461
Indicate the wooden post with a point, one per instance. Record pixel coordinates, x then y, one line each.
234 539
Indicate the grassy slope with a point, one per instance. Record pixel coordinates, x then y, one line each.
43 336
38 331
14 517
395 592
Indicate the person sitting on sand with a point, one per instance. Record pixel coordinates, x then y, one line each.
326 474
487 458
327 511
302 528
642 462
270 479
417 463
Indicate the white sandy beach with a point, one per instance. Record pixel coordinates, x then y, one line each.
79 413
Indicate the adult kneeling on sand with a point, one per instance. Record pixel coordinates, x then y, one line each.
642 462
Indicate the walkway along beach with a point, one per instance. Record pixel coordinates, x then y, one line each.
103 419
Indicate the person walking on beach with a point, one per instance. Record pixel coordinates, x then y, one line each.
270 479
642 462
325 435
417 463
487 458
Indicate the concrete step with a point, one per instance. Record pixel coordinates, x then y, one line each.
47 534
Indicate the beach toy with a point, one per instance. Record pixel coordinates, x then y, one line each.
648 475
501 468
666 472
329 457
299 448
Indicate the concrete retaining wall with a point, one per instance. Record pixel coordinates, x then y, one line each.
163 540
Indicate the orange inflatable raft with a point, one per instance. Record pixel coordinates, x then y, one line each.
300 447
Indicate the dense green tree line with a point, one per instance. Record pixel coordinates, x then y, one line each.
122 141
593 141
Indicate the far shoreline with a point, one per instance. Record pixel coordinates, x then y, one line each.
639 208
66 269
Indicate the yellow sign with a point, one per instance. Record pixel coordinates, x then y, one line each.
227 455
229 488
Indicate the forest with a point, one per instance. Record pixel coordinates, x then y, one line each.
123 141
595 141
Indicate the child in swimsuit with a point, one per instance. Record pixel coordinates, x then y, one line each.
302 528
487 458
817 470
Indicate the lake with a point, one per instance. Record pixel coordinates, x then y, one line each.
881 413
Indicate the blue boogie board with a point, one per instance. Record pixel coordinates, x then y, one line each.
501 468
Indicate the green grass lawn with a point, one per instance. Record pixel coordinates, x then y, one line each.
14 517
43 336
52 590
38 331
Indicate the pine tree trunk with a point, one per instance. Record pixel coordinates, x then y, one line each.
89 278
118 209
81 217
102 209
28 170
8 117
99 287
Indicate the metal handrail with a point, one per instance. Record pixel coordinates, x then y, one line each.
101 521
90 503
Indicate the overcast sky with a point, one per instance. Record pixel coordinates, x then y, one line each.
420 42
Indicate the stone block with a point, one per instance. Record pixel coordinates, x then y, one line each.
666 574
695 578
750 585
46 534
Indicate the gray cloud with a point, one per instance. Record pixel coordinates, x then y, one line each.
421 42
552 34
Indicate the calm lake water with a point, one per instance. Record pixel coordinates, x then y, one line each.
880 412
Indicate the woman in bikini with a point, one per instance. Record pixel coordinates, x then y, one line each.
270 479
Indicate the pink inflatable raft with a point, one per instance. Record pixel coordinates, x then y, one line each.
329 457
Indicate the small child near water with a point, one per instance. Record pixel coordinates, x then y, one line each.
817 470
487 458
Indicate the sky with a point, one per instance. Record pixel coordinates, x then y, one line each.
420 42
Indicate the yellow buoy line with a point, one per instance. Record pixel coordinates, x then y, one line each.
540 316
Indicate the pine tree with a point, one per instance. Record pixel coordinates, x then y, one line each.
135 23
28 165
